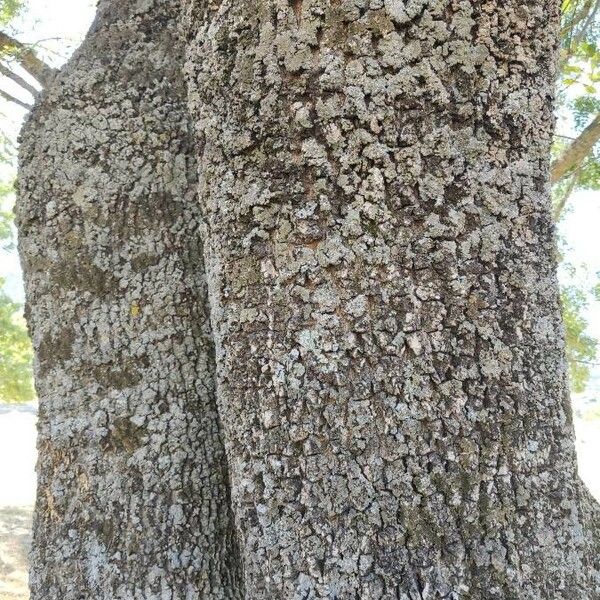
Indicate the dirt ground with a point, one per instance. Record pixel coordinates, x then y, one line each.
15 526
17 494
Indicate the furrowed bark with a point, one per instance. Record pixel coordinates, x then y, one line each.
380 263
132 490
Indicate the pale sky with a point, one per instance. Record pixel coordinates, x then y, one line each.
63 23
67 20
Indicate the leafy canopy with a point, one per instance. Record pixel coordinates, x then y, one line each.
16 380
578 87
581 348
16 383
9 9
577 93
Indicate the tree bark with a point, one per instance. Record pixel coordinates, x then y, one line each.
380 263
132 492
373 233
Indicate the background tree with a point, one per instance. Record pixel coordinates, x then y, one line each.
16 382
576 164
576 160
20 66
581 348
22 75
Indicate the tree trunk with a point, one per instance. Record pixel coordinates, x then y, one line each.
373 219
381 272
132 495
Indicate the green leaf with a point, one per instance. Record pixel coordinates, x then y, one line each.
572 69
16 380
581 348
9 9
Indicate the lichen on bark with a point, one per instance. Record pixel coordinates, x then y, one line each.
380 260
133 499
314 353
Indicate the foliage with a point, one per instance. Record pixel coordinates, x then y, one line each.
578 98
6 218
16 379
16 383
581 348
6 230
9 9
578 83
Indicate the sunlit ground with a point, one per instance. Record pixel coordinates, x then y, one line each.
17 481
17 492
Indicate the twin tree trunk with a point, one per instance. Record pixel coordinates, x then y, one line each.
291 283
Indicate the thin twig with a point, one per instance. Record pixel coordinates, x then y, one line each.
4 70
14 100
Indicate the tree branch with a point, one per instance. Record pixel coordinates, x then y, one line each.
586 14
4 70
27 58
14 100
579 16
576 152
562 201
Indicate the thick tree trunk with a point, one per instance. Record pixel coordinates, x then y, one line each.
380 263
133 498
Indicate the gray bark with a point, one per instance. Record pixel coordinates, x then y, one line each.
381 271
372 230
132 492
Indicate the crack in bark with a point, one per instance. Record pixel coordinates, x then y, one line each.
297 8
